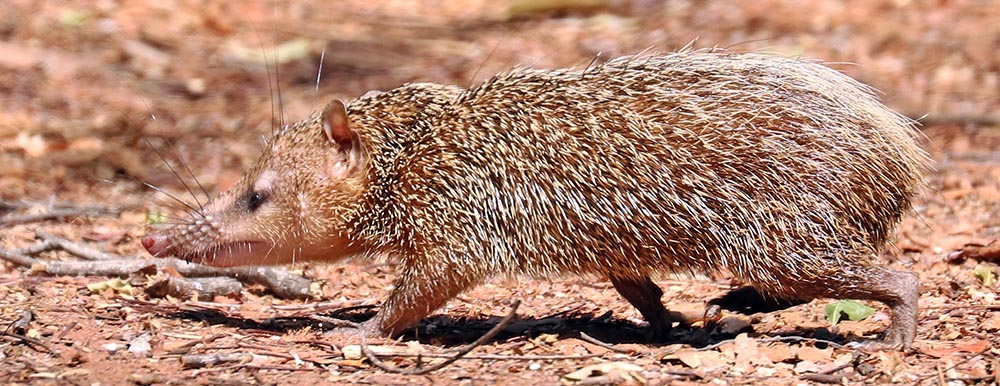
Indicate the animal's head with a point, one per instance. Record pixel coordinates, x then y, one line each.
294 204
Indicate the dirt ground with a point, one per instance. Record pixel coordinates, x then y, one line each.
91 92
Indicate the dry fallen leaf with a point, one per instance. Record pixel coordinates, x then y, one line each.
734 323
690 358
806 367
990 324
609 373
970 347
777 352
812 354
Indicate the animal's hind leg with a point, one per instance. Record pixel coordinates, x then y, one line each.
645 295
897 289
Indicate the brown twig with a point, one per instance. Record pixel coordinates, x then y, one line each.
76 249
206 288
317 307
204 360
281 368
35 248
826 376
489 357
962 362
319 343
461 353
279 281
776 339
592 340
184 348
17 258
65 331
216 369
336 322
266 351
34 343
978 252
57 213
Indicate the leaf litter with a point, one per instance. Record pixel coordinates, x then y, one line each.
84 84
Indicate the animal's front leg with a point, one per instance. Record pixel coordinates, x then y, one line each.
417 292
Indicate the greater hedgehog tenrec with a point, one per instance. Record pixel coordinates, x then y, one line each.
786 173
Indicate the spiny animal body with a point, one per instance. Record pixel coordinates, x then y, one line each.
784 172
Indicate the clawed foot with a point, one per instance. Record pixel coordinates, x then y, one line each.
343 328
892 341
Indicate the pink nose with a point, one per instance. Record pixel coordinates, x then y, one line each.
154 243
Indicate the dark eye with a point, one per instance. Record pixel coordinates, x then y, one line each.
255 200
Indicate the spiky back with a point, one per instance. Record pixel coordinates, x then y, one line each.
692 161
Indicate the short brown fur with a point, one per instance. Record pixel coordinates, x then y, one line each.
784 172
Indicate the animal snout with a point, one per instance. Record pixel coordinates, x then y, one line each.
156 244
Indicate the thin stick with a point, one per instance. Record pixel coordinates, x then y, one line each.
56 213
12 205
18 258
976 252
35 248
490 357
77 249
589 339
776 339
962 362
461 353
65 331
184 348
280 282
326 305
282 368
335 322
34 343
826 376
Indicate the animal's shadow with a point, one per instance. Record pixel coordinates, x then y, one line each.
444 330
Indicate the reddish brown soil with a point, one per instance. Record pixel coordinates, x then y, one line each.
90 91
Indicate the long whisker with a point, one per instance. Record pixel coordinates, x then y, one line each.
182 202
267 68
188 169
485 60
277 64
162 158
174 171
319 72
160 155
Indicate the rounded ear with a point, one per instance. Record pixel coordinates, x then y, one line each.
336 127
345 141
